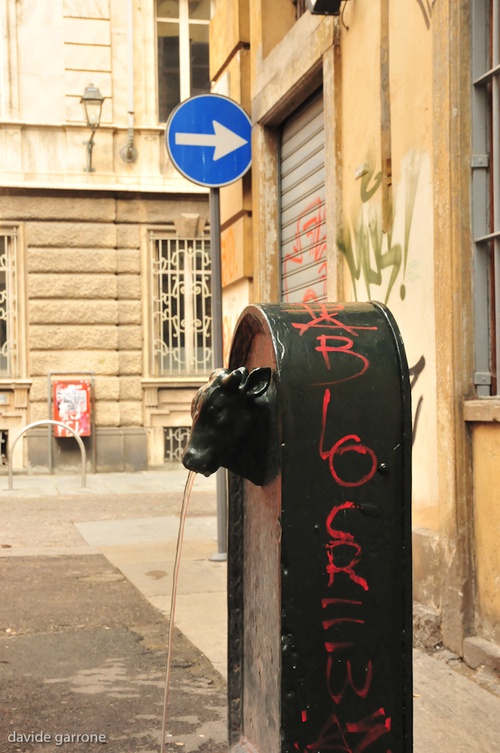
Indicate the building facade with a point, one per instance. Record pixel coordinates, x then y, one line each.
375 177
104 251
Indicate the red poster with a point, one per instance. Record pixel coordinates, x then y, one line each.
71 401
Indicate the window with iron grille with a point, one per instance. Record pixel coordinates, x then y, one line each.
8 303
176 439
486 191
182 51
182 306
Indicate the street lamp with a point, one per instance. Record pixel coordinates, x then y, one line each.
324 7
92 100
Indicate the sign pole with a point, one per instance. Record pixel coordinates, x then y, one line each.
215 251
208 138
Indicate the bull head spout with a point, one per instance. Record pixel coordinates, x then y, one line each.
231 424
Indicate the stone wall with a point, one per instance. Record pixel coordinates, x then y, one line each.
85 279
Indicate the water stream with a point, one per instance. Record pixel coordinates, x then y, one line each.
175 579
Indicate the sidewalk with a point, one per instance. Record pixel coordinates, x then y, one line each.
133 520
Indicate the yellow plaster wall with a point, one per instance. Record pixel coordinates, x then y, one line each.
389 242
410 80
235 298
229 30
389 205
236 199
269 24
234 79
412 299
360 97
486 458
236 251
230 66
278 18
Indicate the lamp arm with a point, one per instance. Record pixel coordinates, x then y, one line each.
90 146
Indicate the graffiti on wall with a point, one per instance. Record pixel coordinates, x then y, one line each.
415 372
304 267
375 258
368 250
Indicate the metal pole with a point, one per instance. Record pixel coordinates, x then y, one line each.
49 426
50 422
215 251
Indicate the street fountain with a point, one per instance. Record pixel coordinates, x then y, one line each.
313 420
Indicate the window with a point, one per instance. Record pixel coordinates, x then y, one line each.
301 7
486 191
182 41
182 306
4 446
9 366
176 439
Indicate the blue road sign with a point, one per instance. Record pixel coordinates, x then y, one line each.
208 138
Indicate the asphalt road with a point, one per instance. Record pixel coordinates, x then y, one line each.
83 664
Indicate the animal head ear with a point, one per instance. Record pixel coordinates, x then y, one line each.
234 379
257 382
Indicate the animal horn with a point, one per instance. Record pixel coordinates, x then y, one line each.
234 378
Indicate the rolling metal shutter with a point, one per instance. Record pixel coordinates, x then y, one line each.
302 194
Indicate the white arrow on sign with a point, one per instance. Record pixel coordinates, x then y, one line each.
223 139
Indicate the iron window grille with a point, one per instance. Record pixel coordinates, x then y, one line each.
182 306
176 439
485 165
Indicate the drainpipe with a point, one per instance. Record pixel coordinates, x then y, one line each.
128 153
